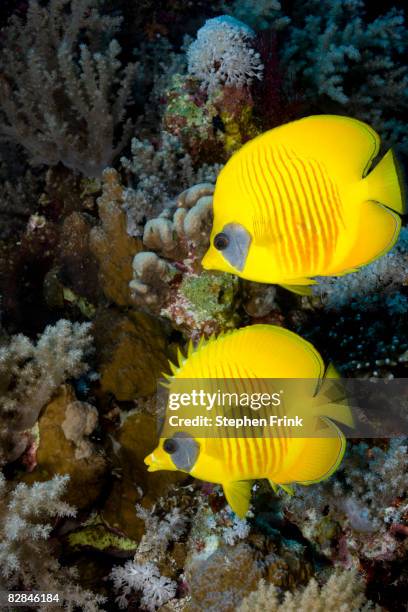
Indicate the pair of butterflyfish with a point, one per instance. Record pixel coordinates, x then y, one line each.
297 202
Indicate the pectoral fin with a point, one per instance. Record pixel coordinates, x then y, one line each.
238 495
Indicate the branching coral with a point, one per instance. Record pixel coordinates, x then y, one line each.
159 533
157 590
360 508
63 90
259 14
358 67
343 591
29 375
141 574
223 55
379 282
26 558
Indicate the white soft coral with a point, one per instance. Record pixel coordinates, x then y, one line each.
222 54
157 590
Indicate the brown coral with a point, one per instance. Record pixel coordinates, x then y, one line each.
57 455
132 351
111 244
221 581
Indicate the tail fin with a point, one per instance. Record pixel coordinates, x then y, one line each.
331 400
385 183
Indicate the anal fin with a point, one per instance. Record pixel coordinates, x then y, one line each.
238 494
285 487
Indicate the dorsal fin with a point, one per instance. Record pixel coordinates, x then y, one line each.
347 145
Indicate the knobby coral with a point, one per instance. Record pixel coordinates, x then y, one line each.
63 90
168 279
155 175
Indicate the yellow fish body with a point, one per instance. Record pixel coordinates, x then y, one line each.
255 352
301 200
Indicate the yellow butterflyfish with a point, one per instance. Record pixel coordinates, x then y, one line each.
244 358
302 200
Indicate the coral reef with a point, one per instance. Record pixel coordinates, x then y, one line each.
26 556
116 118
174 285
381 282
155 176
30 374
63 98
343 590
335 53
358 517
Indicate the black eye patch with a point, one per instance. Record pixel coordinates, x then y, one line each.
233 242
170 446
184 450
221 241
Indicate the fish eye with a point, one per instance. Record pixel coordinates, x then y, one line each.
170 446
221 241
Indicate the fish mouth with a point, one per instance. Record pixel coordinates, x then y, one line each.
207 261
152 464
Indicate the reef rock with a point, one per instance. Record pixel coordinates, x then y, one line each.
57 455
133 353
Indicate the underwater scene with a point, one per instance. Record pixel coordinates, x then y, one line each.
202 201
